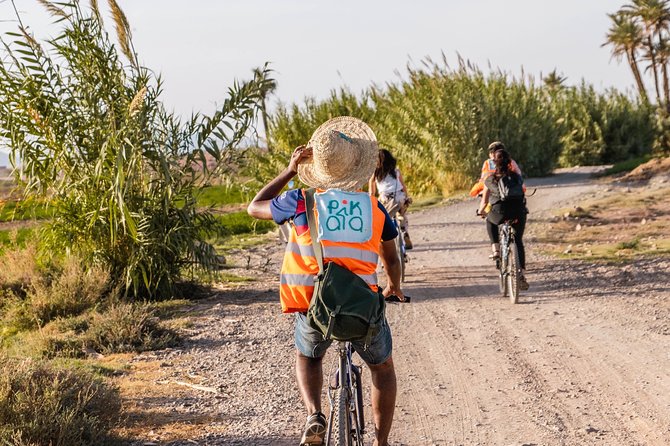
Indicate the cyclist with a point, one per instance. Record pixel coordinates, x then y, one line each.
500 211
489 167
387 180
341 155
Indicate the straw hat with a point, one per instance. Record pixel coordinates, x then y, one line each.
345 155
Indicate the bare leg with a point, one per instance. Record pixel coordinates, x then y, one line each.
309 374
384 390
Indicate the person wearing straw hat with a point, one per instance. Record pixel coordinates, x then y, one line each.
338 160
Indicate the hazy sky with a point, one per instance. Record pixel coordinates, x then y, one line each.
200 46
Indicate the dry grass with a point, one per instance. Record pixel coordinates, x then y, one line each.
617 227
45 405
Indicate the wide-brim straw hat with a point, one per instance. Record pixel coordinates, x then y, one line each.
344 155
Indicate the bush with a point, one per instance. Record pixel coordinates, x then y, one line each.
70 291
127 328
42 405
120 171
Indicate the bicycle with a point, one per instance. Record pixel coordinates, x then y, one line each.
346 423
507 264
509 269
399 240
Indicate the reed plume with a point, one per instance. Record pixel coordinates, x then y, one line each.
122 30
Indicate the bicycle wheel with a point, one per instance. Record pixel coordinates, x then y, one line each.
340 423
399 249
339 430
513 273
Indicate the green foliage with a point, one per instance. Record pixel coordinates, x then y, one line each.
602 128
236 223
628 165
15 237
439 121
23 210
218 195
120 171
42 405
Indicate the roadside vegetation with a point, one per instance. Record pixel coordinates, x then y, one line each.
621 225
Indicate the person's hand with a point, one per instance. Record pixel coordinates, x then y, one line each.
408 201
300 154
389 291
482 212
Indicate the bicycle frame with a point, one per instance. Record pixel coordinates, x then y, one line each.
507 234
346 384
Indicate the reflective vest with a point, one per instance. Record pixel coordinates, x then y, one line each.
300 267
488 168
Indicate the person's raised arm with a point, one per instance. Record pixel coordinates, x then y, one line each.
260 205
391 262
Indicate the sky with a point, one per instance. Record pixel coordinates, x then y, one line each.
200 46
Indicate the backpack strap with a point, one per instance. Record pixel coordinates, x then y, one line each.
311 223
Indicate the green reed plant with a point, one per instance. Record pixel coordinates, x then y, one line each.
120 171
439 120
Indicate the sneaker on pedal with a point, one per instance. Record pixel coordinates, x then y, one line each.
315 430
523 284
408 242
495 256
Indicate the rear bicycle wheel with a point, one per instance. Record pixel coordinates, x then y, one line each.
501 276
339 427
338 433
513 273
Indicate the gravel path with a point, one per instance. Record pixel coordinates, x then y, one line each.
582 360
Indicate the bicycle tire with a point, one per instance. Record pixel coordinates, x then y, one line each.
513 273
339 429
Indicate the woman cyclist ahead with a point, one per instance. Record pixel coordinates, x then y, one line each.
387 181
501 210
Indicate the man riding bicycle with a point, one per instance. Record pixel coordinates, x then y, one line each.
340 157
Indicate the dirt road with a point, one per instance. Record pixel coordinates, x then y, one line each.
577 362
584 359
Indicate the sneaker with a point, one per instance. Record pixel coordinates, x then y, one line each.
523 284
315 430
495 256
408 242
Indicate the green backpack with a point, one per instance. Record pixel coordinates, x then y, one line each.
343 307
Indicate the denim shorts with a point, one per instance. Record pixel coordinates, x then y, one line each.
311 343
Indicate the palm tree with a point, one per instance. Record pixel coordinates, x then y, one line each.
654 15
553 80
663 58
626 38
269 88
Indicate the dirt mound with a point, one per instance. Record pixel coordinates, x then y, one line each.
648 170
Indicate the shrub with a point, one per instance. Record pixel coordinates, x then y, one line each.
72 290
127 328
42 405
119 170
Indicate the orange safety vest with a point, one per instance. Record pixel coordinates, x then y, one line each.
300 267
